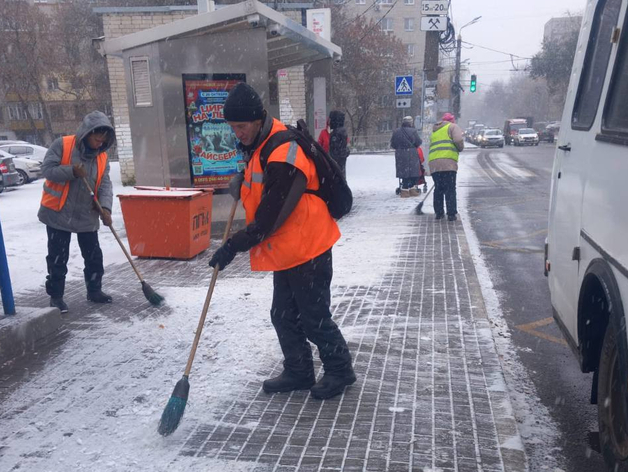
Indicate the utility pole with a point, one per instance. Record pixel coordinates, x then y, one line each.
457 88
456 84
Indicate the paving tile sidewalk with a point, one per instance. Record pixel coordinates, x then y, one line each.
430 394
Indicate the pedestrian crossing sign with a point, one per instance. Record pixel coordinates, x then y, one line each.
403 85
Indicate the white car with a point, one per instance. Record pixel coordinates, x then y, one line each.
24 149
526 136
28 169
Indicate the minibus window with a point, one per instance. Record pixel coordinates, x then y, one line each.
595 64
615 119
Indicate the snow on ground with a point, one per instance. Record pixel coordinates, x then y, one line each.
26 241
142 359
237 344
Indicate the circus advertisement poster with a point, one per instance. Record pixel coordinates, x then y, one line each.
213 155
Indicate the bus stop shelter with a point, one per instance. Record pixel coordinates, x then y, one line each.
178 75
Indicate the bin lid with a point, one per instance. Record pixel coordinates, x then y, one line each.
170 189
162 194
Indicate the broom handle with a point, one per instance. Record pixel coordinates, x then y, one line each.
115 235
210 291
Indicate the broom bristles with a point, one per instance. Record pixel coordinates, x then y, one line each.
153 297
419 209
171 417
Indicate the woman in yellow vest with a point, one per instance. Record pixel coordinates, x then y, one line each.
290 232
67 205
446 143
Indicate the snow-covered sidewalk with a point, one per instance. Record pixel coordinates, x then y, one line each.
430 394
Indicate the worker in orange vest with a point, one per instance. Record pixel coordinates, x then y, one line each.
67 205
290 232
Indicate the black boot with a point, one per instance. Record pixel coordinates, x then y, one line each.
439 216
332 384
59 303
451 217
99 297
287 382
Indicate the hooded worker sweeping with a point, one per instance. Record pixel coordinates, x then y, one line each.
67 205
290 232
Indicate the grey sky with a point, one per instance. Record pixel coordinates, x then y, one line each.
511 26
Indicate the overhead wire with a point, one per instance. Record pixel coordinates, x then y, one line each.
378 21
495 50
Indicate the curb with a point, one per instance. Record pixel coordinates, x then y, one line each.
19 333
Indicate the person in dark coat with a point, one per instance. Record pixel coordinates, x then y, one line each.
338 140
405 142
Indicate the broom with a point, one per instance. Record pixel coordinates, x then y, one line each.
173 412
419 209
153 297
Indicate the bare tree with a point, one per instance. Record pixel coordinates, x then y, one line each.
82 71
26 57
371 58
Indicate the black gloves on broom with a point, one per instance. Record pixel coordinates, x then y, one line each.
223 256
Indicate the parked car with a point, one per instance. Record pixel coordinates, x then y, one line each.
526 136
24 149
29 169
491 137
9 176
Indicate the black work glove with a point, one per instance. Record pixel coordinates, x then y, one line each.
223 256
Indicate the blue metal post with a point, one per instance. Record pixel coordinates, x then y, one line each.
5 280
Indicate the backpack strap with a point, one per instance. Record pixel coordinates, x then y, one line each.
276 140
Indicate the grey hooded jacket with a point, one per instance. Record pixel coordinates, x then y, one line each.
78 215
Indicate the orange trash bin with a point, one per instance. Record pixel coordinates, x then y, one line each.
174 224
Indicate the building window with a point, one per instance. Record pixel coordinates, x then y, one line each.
408 2
410 50
384 126
16 113
56 112
385 2
360 2
408 24
386 24
53 84
80 111
595 65
36 111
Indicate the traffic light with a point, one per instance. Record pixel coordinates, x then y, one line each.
474 83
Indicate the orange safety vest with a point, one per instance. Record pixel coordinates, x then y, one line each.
308 232
55 194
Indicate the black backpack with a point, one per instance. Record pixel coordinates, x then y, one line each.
333 190
338 149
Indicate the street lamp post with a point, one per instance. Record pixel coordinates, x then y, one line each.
457 86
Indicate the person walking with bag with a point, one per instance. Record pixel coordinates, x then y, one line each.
405 141
447 142
67 205
290 232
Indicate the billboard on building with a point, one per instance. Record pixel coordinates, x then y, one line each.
213 155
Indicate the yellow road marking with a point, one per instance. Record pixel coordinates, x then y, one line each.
515 238
530 328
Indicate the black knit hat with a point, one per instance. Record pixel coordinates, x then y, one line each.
243 104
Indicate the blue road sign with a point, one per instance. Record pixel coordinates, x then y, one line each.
403 85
